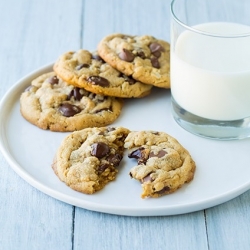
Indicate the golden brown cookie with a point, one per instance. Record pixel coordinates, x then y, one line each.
144 58
89 159
51 103
164 165
87 70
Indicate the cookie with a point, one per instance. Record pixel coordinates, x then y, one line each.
87 70
89 159
51 103
145 58
164 165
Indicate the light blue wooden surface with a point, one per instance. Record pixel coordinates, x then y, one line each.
34 33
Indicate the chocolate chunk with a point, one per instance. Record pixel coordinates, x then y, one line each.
67 109
147 178
99 149
160 154
76 94
53 80
83 65
126 55
140 154
155 63
98 80
137 154
102 168
163 191
98 58
114 159
100 110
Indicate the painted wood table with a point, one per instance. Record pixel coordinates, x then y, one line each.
34 34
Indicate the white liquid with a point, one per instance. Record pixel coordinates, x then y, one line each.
210 76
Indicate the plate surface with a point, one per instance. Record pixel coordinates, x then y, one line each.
222 166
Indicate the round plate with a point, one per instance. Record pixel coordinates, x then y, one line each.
222 166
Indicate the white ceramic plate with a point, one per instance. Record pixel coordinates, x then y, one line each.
223 170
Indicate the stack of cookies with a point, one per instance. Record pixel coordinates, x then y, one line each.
86 89
84 94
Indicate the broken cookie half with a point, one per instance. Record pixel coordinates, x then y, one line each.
88 159
163 164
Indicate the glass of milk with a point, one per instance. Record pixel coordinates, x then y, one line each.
210 67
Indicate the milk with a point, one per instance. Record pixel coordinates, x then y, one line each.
210 76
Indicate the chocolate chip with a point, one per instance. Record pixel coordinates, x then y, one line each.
114 159
83 65
156 47
98 80
160 154
75 92
99 149
141 54
157 54
126 55
53 80
155 63
163 191
67 109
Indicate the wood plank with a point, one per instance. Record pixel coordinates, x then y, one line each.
228 224
33 33
102 231
129 17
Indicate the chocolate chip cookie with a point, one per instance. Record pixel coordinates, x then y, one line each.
89 159
51 103
144 58
87 70
164 165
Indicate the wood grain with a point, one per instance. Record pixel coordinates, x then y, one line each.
103 231
33 33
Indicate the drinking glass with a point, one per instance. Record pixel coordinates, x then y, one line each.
210 67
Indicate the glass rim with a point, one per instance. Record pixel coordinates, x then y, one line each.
190 28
